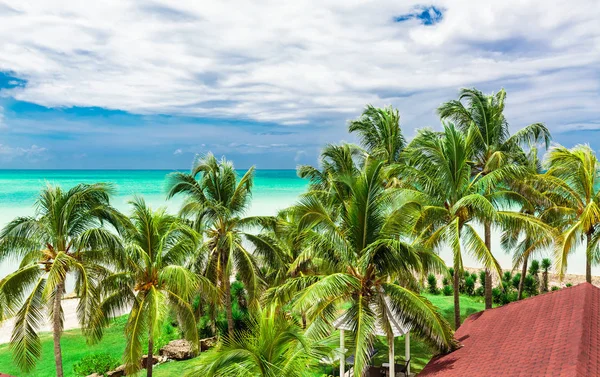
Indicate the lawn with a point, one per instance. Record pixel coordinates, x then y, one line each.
74 346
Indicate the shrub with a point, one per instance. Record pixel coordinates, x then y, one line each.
534 268
469 286
100 363
474 277
432 284
480 291
507 276
555 288
516 280
482 278
530 285
445 281
496 293
451 271
569 284
447 291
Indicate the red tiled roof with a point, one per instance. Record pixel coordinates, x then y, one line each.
554 334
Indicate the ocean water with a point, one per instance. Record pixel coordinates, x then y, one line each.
273 190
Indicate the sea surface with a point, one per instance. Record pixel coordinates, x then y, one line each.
273 190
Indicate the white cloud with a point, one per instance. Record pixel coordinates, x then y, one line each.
2 123
177 151
32 153
305 61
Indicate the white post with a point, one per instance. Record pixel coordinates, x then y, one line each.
392 364
342 354
407 351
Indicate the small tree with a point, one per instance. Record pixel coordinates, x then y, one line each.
534 271
546 263
432 284
469 286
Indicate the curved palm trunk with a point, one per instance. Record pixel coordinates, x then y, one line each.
488 275
57 328
456 298
588 261
522 279
149 362
228 309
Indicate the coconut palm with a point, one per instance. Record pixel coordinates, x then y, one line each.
215 200
546 264
64 238
272 346
493 146
524 242
574 176
152 282
379 132
370 269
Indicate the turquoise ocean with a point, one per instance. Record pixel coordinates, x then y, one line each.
273 190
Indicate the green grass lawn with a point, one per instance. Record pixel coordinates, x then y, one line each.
74 346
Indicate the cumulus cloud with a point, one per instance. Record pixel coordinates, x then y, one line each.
305 62
32 153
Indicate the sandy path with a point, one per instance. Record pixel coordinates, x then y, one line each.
71 322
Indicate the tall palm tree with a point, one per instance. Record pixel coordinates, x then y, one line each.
370 267
64 238
574 175
216 202
379 132
534 201
493 146
272 346
438 183
152 281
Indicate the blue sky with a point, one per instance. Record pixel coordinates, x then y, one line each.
148 84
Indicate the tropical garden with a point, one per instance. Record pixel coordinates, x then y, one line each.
362 242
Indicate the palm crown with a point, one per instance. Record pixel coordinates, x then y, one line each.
64 237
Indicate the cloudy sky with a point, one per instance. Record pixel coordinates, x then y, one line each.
148 84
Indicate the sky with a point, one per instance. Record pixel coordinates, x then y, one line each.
149 84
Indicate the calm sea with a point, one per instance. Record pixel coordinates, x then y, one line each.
273 190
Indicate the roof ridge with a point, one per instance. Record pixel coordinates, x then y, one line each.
583 284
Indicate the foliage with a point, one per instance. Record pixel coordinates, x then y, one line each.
272 346
65 237
95 363
447 290
470 286
432 284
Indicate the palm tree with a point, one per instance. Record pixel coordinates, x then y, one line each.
379 132
64 238
546 264
493 146
438 183
533 201
370 270
574 175
216 202
272 346
152 281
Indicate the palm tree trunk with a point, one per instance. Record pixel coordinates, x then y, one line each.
488 275
456 298
228 308
522 279
588 261
149 362
57 327
545 281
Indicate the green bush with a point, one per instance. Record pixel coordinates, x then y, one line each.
496 293
482 278
569 284
480 291
432 284
474 277
506 277
534 268
445 281
451 272
469 286
555 288
100 363
516 280
530 285
447 291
